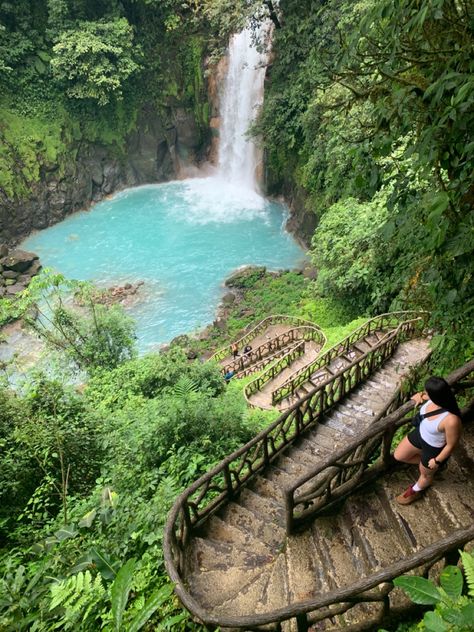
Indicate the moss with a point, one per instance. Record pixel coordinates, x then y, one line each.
27 142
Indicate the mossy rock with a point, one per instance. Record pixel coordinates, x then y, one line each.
246 277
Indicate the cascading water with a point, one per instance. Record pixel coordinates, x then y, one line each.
242 96
182 238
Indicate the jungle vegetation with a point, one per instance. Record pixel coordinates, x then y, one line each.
368 117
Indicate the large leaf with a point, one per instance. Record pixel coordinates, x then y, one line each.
120 590
419 589
452 581
88 519
106 567
155 601
434 623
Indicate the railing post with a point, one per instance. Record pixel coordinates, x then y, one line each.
266 457
302 622
228 481
289 508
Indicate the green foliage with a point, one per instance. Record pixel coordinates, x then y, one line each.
95 59
92 336
346 252
453 611
371 103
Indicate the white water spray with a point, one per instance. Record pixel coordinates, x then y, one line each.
242 96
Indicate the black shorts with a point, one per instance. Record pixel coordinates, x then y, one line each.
427 451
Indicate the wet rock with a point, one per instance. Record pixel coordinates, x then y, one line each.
15 288
24 279
18 260
180 341
34 268
228 299
220 324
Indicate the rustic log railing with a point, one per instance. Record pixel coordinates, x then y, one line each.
223 482
374 588
259 366
276 319
358 463
378 323
282 341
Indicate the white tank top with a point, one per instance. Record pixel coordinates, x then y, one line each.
429 428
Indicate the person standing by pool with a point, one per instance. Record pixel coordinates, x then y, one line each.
235 350
432 442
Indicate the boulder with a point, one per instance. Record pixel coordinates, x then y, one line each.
245 277
220 324
15 288
18 260
10 274
34 268
9 282
3 250
24 279
228 299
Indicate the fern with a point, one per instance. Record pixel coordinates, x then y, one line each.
185 385
77 596
468 564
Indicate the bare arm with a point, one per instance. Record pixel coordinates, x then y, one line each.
452 429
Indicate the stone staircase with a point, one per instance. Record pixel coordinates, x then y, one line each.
241 562
321 374
303 374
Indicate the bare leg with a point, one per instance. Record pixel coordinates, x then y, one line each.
426 477
407 453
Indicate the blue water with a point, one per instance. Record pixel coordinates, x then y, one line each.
181 238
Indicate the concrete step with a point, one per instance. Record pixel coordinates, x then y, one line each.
293 467
210 555
259 527
211 588
245 600
264 487
276 593
305 574
263 506
217 529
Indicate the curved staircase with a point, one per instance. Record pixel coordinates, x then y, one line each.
291 378
251 544
272 338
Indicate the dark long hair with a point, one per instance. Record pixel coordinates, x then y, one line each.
441 394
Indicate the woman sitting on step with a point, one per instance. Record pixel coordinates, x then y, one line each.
431 443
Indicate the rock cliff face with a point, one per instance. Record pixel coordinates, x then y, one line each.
154 152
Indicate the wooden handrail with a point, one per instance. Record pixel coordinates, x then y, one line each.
305 332
222 483
351 467
303 374
355 593
261 326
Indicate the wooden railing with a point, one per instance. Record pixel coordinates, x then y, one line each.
259 366
374 588
355 465
379 323
282 341
222 483
277 319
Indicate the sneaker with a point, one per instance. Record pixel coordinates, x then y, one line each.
409 496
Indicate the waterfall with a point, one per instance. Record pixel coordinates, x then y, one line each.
239 158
